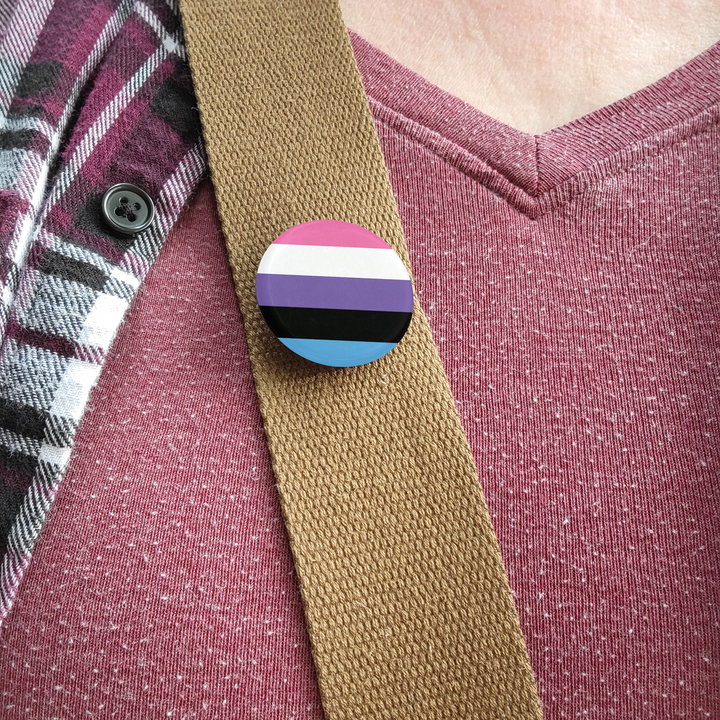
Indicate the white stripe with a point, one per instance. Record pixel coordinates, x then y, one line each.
21 242
74 388
171 43
125 277
8 295
33 175
55 455
174 193
11 167
333 262
27 123
6 8
170 203
103 321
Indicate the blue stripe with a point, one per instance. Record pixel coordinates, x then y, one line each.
338 353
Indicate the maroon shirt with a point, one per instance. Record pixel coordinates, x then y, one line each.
571 282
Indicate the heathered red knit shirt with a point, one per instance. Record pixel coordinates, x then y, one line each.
571 282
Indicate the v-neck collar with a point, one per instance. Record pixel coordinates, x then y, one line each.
536 173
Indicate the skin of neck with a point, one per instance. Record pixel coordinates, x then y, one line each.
537 64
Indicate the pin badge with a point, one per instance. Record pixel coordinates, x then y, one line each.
334 293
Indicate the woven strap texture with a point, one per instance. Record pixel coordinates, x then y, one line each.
407 604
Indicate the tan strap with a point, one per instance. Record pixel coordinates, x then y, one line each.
407 604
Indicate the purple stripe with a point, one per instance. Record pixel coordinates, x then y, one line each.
334 293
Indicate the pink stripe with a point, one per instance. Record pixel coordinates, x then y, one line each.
331 233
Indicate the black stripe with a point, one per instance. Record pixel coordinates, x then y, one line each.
67 268
11 499
60 431
38 79
18 139
24 465
22 419
322 324
23 110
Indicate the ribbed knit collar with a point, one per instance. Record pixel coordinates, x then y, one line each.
538 172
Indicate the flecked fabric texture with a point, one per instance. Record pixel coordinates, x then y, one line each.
599 464
91 94
405 595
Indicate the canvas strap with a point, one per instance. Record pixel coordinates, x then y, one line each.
406 599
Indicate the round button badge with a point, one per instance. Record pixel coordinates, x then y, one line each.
127 209
334 293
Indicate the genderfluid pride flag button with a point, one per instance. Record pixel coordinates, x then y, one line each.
334 293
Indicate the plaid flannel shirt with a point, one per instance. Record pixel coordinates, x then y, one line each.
92 93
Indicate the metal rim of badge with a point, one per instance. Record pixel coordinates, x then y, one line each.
334 293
